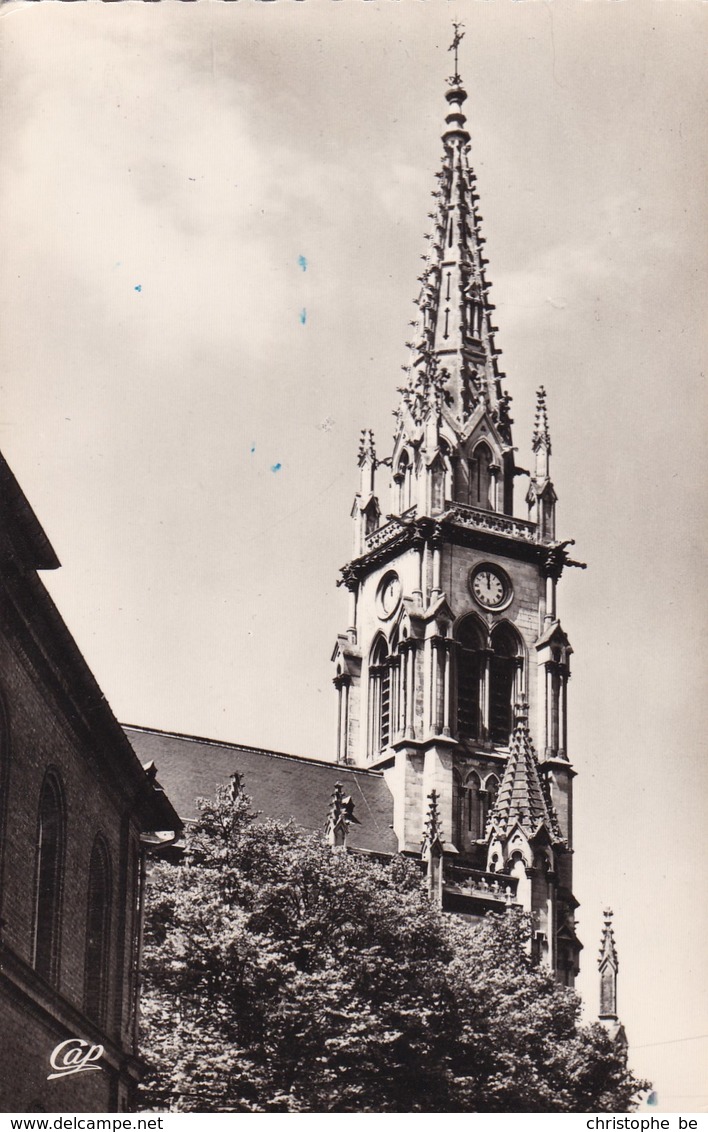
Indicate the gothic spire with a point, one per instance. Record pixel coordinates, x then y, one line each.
367 448
454 335
523 798
541 432
541 496
609 966
432 830
339 817
432 849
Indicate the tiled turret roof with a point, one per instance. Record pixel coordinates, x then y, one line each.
523 797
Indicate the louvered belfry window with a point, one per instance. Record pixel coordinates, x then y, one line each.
502 675
481 478
496 665
469 678
385 717
380 698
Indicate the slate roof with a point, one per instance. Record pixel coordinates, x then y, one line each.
280 786
21 527
522 799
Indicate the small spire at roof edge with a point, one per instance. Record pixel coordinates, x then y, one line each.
609 966
340 815
432 834
367 448
608 949
541 431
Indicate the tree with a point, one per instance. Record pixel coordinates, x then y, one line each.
282 975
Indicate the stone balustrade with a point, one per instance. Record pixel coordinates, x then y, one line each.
473 882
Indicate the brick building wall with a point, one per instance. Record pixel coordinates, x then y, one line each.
74 801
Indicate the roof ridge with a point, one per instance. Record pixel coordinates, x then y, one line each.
249 747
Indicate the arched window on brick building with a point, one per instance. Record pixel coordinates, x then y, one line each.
98 919
4 767
49 878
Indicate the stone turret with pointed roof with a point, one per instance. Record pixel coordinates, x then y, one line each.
523 802
525 840
608 965
452 600
541 497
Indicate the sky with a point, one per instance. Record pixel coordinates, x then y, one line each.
213 218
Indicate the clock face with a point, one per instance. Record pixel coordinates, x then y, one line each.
490 587
390 593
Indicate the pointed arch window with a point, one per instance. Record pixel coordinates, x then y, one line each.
404 482
470 668
371 517
487 798
481 480
489 680
437 486
98 918
474 826
459 810
504 666
470 808
379 698
49 879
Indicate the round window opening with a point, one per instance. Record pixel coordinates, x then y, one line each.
389 593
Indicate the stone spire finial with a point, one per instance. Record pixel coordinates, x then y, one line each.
541 496
432 829
235 787
432 849
609 966
367 448
339 817
608 950
541 432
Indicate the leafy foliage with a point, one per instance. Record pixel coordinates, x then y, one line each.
283 976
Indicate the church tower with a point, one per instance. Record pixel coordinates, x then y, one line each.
454 662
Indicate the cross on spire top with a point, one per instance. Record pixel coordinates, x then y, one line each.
454 46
